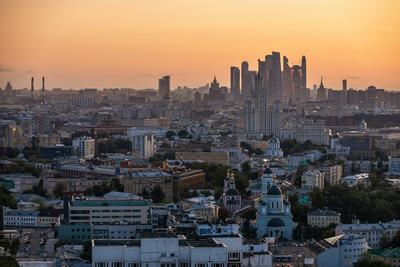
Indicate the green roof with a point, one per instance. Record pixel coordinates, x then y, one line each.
110 203
386 252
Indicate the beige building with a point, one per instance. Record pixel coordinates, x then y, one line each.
49 140
209 157
148 179
323 218
332 174
312 179
73 184
161 122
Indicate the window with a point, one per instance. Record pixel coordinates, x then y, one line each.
101 264
234 256
117 264
184 264
200 265
133 264
217 265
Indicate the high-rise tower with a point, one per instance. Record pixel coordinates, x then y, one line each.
344 92
164 87
304 72
287 79
43 100
276 76
32 88
245 79
235 82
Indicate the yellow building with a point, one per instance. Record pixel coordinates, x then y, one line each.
146 180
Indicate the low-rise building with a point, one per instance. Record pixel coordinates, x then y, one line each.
165 250
388 255
394 166
27 218
323 217
339 251
209 157
107 211
357 179
373 232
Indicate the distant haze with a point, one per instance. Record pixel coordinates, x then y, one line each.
128 43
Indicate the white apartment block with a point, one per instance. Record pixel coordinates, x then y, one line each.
143 144
372 232
109 211
168 250
85 146
339 251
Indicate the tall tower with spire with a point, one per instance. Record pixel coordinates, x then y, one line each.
321 93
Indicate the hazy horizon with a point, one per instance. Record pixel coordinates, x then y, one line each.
130 44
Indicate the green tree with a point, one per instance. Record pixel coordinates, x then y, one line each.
87 251
39 189
248 147
14 246
249 214
183 134
59 190
247 230
223 214
12 152
368 262
157 195
8 261
6 199
170 134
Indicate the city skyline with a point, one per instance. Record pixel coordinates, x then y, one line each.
107 44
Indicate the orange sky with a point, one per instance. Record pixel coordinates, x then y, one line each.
130 43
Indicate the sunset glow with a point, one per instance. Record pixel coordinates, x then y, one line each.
122 43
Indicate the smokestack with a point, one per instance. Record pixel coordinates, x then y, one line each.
43 90
32 87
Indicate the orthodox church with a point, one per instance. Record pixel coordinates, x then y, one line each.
231 197
274 148
274 218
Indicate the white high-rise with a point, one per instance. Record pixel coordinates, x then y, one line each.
85 146
143 142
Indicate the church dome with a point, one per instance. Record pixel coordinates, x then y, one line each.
268 171
363 125
276 222
232 192
274 191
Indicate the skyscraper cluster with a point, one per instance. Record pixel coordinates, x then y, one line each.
271 79
263 90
